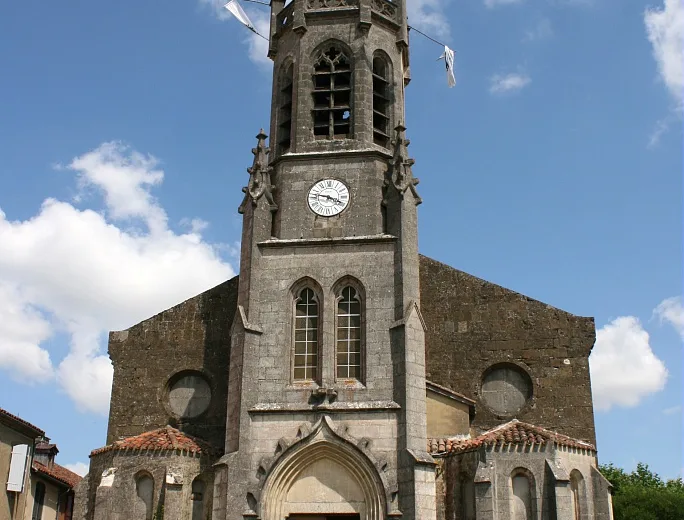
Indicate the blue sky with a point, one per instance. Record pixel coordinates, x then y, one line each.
127 127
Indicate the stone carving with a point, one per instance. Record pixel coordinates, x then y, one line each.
259 177
400 173
108 477
174 476
330 4
385 8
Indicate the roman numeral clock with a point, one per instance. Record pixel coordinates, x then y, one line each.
328 197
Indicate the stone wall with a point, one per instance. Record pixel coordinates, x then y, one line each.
478 484
115 496
181 350
477 329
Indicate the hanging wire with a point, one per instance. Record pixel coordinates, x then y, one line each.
258 33
410 27
419 32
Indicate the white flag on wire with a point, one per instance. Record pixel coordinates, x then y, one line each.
239 13
448 56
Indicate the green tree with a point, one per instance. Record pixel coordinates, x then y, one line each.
643 495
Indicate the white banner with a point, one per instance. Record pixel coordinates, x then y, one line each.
449 61
239 13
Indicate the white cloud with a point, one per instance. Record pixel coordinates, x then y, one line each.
500 84
260 18
84 272
541 31
671 311
496 3
665 31
22 330
623 367
80 468
673 410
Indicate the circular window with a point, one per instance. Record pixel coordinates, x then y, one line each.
189 394
506 388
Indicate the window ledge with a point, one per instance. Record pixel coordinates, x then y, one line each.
332 407
365 239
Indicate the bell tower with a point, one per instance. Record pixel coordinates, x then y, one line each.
326 389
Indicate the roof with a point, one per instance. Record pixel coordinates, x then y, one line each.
4 414
46 446
162 439
513 432
59 473
448 392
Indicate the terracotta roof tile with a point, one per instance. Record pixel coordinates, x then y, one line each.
59 473
162 439
513 432
21 421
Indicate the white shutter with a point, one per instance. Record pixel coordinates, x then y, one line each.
17 472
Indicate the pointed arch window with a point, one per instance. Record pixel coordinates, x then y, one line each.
349 329
306 336
285 109
381 100
577 494
332 95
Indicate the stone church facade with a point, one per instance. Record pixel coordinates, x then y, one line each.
342 375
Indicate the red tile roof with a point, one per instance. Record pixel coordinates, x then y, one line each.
21 421
513 432
59 473
163 439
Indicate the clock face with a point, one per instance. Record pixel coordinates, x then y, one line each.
328 197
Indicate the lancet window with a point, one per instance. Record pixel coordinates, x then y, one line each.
306 329
285 109
332 95
381 100
349 328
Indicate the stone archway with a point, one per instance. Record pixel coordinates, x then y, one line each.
323 476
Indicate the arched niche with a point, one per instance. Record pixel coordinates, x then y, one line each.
323 476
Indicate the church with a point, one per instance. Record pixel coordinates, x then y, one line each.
342 375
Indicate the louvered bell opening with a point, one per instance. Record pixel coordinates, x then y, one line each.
332 97
285 112
381 102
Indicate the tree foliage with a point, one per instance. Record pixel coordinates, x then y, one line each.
643 495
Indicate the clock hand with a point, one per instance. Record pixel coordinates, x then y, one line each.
337 201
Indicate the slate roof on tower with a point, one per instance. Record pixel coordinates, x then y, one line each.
511 433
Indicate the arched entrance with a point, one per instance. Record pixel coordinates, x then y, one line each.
323 478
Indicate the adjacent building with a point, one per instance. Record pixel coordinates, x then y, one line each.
36 487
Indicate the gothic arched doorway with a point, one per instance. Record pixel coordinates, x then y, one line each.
323 479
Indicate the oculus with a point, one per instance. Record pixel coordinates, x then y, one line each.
189 394
328 197
506 389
